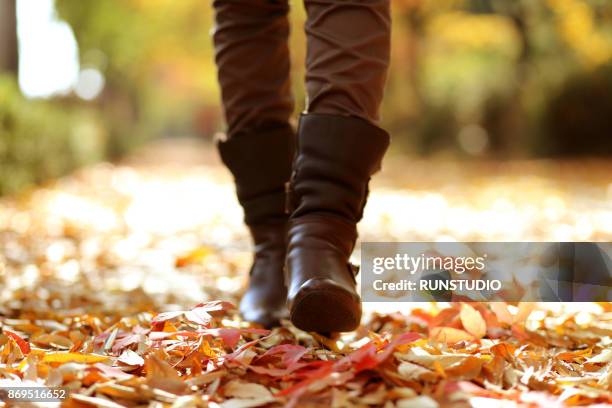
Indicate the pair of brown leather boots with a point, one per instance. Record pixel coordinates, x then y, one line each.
302 245
303 239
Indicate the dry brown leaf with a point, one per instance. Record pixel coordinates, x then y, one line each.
161 375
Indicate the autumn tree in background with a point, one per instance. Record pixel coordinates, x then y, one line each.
500 74
470 78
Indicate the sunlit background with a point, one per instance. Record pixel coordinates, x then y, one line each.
470 79
48 51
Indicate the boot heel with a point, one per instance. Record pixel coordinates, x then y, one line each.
323 306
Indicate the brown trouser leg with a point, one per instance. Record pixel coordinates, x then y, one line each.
252 58
347 56
347 60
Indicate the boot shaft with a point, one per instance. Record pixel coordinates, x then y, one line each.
260 161
335 158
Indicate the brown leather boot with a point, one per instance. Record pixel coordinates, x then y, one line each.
264 301
260 162
336 156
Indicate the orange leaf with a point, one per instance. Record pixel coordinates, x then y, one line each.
446 317
504 350
472 321
467 369
194 257
501 311
23 345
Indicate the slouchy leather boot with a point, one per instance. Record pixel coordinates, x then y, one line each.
260 162
336 156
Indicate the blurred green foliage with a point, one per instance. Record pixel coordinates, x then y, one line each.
491 65
157 58
489 78
40 140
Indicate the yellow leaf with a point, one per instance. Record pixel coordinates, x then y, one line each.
194 257
334 345
61 357
169 328
207 350
472 321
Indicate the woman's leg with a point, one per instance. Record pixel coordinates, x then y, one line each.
339 147
252 58
347 56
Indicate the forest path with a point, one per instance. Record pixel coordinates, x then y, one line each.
128 225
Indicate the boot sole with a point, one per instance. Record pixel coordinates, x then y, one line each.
326 311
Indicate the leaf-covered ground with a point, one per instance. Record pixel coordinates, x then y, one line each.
118 284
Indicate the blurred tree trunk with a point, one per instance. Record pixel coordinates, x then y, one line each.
507 122
9 55
405 88
416 25
514 129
